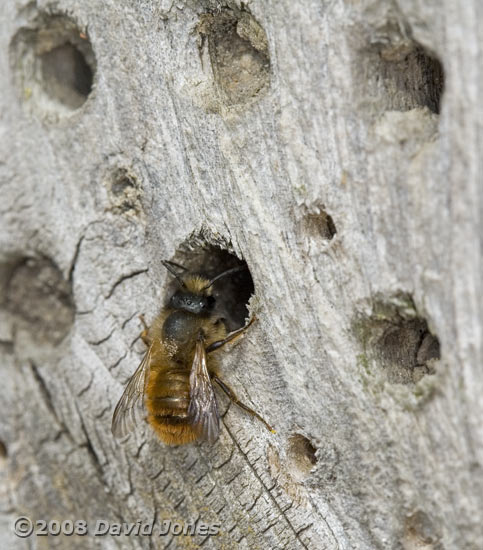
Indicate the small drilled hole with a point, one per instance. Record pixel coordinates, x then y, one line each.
419 532
321 225
232 293
238 50
301 456
3 455
125 192
53 65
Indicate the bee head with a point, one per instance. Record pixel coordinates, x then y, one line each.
194 295
194 303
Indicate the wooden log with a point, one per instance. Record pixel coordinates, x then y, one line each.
335 147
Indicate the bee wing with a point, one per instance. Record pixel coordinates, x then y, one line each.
203 410
129 409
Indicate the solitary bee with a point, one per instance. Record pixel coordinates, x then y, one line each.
173 383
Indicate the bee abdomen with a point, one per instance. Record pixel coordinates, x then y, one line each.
172 403
167 402
169 395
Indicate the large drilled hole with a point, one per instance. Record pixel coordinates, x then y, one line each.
238 51
416 80
66 75
398 340
53 65
38 296
300 456
398 74
232 293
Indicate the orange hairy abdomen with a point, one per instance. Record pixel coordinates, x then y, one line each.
167 402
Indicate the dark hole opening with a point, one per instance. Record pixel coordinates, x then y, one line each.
67 75
121 184
321 225
413 80
3 451
233 292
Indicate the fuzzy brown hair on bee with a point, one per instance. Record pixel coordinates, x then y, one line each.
174 382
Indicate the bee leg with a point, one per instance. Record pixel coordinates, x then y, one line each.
144 333
230 337
231 394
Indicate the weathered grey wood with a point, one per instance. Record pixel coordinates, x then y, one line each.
333 113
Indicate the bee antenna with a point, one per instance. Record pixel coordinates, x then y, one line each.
170 268
174 264
224 273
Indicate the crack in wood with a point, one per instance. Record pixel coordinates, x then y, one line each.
84 390
102 340
271 496
73 263
118 361
124 278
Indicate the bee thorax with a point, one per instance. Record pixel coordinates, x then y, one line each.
180 328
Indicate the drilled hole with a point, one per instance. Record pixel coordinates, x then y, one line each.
398 340
53 65
232 293
301 456
419 532
66 75
320 225
125 192
416 80
36 293
238 51
396 73
3 455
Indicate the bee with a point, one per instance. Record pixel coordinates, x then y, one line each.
174 382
